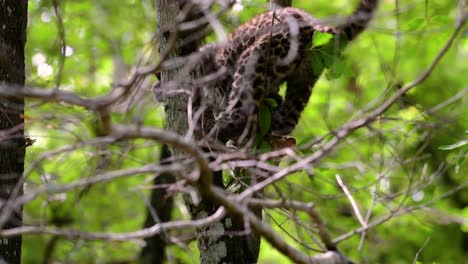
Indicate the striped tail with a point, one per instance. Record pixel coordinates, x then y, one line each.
357 22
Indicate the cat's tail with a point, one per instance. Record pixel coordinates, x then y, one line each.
359 19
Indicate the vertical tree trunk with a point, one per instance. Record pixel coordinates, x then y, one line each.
154 251
161 204
224 242
166 14
13 21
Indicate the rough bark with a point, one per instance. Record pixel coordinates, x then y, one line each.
176 119
161 204
227 241
13 21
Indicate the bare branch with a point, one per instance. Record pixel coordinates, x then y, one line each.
355 206
154 230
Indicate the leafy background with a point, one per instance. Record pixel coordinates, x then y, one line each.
385 165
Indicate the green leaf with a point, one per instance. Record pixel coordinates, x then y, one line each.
454 146
328 55
264 119
317 64
271 103
321 38
227 178
328 60
416 23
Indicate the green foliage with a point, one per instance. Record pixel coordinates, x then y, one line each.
394 162
264 124
327 55
321 39
264 119
271 103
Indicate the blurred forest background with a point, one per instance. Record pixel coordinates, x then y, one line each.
407 171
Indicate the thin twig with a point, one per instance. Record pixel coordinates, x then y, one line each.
355 206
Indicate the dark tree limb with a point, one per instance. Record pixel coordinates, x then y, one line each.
13 21
161 204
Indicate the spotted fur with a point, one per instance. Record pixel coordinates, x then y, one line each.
271 49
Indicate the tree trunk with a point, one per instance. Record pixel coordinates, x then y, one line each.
161 204
224 242
13 21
